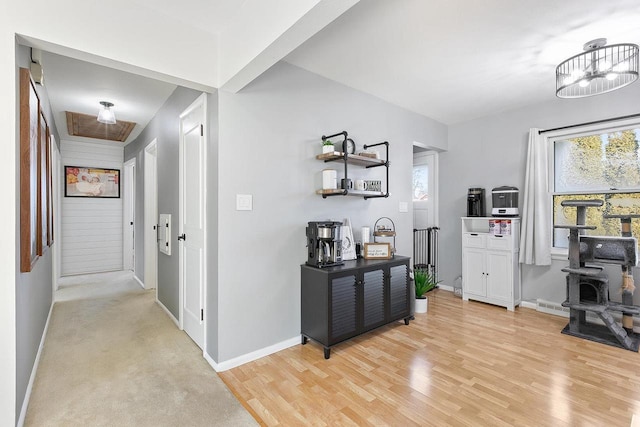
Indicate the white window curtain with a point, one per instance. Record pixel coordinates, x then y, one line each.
535 237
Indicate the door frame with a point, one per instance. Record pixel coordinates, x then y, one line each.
129 215
151 215
430 158
56 176
201 101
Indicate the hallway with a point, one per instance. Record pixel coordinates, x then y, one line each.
113 357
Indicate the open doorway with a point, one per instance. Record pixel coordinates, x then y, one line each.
56 187
128 236
425 189
151 215
425 211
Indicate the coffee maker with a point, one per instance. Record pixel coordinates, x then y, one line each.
475 202
324 243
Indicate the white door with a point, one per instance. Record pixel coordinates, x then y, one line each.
192 219
499 284
425 187
129 215
473 272
150 216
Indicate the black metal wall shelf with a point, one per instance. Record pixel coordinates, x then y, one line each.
358 160
358 193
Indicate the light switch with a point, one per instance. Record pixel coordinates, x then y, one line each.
404 207
244 202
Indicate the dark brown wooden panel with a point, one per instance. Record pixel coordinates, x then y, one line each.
88 126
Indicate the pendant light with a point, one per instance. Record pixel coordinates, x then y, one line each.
599 69
105 115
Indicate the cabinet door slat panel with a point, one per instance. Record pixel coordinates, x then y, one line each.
343 306
373 297
398 288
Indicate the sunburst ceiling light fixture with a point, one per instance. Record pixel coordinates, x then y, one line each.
105 115
599 69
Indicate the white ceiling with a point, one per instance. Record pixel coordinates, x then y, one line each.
209 16
79 86
457 60
451 60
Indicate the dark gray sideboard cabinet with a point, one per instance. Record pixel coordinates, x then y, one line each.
338 303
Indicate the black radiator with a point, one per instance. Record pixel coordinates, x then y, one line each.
425 249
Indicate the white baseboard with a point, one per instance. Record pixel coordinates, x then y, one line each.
254 355
166 310
27 394
210 361
138 280
529 304
446 288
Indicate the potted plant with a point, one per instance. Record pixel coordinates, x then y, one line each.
424 282
327 146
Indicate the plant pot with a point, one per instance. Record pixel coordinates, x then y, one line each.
328 149
421 305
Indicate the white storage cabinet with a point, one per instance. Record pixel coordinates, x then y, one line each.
490 268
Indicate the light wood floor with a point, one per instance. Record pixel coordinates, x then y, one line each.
461 364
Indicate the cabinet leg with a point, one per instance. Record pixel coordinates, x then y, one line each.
304 340
327 352
406 320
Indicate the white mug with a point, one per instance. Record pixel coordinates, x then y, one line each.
360 184
329 179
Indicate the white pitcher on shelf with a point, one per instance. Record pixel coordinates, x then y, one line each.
348 244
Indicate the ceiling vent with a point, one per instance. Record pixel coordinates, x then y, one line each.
88 126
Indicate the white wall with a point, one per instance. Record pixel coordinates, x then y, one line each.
91 227
270 133
9 226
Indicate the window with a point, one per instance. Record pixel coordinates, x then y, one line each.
601 165
425 189
420 182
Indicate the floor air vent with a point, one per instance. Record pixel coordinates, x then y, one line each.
552 308
558 310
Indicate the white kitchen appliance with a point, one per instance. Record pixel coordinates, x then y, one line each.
505 201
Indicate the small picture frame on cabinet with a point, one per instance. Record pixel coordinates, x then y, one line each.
377 251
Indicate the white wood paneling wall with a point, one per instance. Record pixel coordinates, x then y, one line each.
91 227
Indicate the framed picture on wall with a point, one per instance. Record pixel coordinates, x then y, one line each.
43 187
82 181
29 175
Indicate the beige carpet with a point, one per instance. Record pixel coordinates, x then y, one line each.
112 357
